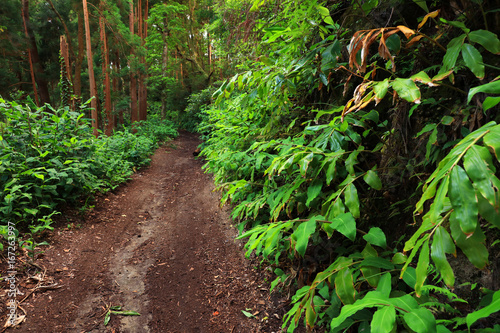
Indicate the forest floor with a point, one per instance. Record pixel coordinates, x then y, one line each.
159 245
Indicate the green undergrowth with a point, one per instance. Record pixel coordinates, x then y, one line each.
49 157
363 176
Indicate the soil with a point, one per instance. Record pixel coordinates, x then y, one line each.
159 245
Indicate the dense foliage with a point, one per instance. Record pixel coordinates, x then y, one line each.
50 157
360 151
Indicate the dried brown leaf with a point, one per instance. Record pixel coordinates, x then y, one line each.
426 17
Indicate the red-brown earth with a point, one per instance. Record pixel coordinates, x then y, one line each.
159 245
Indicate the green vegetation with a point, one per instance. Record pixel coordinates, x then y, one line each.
357 141
50 157
361 162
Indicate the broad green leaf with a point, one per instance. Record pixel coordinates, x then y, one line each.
377 262
351 200
473 59
472 246
346 225
344 286
476 162
376 237
486 39
407 90
452 52
423 78
383 320
372 179
422 265
488 211
399 258
351 161
371 299
463 199
493 307
380 90
313 190
442 244
31 211
384 285
406 302
437 205
488 103
302 234
492 139
488 88
371 274
421 320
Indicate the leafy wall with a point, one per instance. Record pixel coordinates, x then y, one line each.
360 152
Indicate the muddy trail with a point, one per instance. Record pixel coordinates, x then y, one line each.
159 245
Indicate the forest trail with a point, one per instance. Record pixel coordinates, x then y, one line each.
159 245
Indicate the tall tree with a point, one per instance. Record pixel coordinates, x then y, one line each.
105 71
93 89
35 64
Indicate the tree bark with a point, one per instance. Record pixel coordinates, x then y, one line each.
134 114
93 89
143 92
43 88
105 71
77 84
32 72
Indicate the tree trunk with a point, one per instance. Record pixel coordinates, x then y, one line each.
105 71
35 59
32 72
93 89
77 83
134 114
143 92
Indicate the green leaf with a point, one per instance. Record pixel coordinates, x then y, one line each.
488 88
463 199
383 320
344 286
476 164
423 78
493 307
452 52
247 314
313 190
380 90
384 285
488 211
486 39
490 102
371 274
371 299
407 90
473 59
442 244
372 179
376 237
399 258
492 139
351 200
346 225
302 234
422 265
421 320
126 313
107 318
472 246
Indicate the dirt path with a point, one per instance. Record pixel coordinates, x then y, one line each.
159 245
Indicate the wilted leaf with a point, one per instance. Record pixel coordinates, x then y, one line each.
426 17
